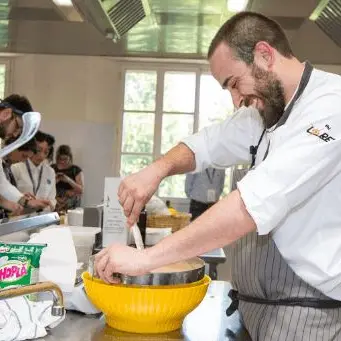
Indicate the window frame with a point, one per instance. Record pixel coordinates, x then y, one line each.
8 75
160 69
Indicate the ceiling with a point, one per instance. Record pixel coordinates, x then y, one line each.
176 29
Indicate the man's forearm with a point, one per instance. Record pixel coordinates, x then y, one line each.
178 160
222 224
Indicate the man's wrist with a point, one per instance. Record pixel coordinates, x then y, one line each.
162 168
23 201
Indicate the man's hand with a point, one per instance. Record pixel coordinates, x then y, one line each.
29 196
38 204
121 259
15 208
136 190
60 177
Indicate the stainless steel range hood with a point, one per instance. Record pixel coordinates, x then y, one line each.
327 16
113 18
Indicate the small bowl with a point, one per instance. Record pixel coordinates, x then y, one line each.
143 309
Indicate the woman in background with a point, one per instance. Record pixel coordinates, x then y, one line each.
35 176
69 180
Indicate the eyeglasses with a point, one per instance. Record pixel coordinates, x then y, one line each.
16 116
5 105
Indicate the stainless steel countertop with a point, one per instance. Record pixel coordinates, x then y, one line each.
215 256
208 322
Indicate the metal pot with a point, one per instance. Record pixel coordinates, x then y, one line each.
195 273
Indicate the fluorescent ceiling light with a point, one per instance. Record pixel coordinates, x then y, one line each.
63 2
236 5
318 10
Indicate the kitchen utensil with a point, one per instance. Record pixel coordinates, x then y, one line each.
137 237
31 122
140 309
184 272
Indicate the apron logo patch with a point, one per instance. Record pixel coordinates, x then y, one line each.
49 181
321 133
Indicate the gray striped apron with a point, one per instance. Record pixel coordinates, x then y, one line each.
259 270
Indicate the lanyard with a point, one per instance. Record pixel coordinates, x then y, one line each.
209 175
303 84
35 188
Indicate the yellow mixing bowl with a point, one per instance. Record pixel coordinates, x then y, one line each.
145 309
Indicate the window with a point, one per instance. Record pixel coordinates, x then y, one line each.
161 107
3 70
138 121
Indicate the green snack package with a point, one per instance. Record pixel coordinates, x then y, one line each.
19 264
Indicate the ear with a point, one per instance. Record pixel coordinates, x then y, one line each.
5 114
264 55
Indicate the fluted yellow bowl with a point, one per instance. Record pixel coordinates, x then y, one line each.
145 309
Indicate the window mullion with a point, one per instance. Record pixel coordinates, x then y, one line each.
197 101
119 128
158 113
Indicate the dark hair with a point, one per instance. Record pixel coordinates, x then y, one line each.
244 30
31 145
19 102
41 137
44 137
64 150
49 139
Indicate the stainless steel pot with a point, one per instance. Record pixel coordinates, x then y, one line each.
195 272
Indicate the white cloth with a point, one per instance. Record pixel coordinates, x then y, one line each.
295 193
21 319
47 188
58 261
7 190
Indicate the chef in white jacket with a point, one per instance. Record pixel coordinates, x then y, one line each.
284 218
35 175
11 110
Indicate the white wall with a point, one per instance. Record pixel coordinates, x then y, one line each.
330 68
79 99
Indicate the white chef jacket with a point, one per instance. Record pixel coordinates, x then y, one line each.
7 190
47 188
295 194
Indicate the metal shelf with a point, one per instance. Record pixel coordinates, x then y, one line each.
28 222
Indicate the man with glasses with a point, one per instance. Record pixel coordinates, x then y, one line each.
12 109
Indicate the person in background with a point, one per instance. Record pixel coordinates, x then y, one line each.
50 141
35 176
19 155
69 179
11 110
204 189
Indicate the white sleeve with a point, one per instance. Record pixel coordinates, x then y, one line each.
7 190
228 143
53 193
302 162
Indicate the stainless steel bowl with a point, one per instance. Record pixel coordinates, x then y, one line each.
195 273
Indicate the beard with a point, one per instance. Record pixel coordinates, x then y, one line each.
269 89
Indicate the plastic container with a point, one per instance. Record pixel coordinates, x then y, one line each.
84 239
75 217
154 235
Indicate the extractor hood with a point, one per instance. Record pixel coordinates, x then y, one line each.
113 18
327 16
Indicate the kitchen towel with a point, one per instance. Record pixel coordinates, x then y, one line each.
58 262
21 319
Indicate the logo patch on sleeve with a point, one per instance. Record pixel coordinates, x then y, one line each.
321 133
